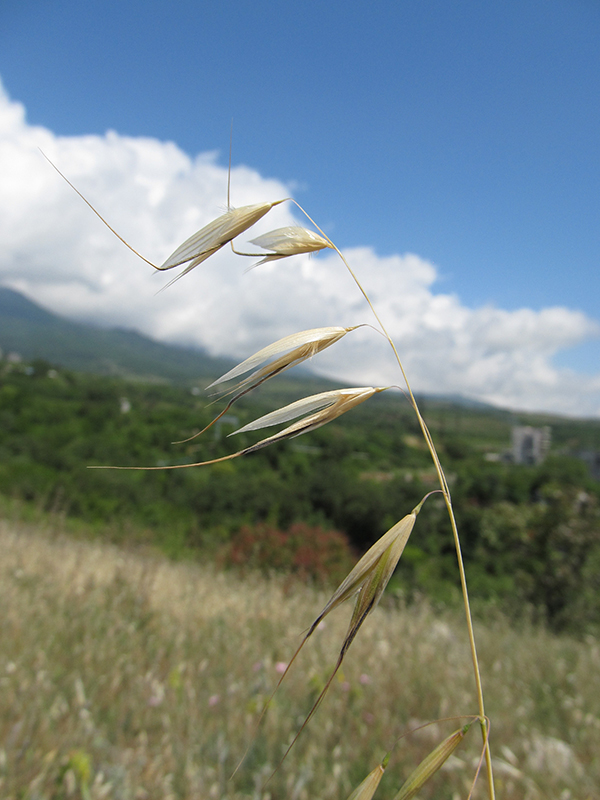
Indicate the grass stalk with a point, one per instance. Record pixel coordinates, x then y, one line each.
448 501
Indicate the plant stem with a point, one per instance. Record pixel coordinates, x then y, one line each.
448 500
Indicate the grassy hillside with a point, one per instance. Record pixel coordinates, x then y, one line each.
127 676
530 534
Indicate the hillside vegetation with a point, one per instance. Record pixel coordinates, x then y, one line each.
530 534
127 676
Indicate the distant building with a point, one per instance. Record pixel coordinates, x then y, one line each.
530 445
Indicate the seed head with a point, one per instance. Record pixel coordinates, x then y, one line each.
367 788
300 347
326 406
368 579
373 571
208 240
290 241
430 764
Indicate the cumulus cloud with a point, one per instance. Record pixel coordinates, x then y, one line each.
60 255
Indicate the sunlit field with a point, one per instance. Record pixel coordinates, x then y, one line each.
124 675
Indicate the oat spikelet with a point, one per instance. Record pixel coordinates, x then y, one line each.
202 244
327 407
208 240
290 241
368 787
431 764
368 579
315 338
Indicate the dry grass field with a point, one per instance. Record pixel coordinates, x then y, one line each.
126 676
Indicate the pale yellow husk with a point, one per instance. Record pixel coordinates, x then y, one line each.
290 241
305 345
208 240
301 345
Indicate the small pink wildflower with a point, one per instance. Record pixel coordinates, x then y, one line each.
154 701
213 700
346 686
365 679
281 667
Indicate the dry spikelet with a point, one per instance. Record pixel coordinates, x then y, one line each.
368 787
202 244
301 346
327 406
431 764
290 241
386 551
208 240
317 338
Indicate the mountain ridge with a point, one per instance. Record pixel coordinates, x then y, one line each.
36 333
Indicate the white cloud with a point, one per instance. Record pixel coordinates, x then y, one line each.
59 254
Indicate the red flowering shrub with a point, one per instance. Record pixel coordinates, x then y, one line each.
309 552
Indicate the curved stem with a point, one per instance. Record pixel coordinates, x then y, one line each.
448 500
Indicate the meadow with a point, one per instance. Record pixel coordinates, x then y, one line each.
127 675
130 676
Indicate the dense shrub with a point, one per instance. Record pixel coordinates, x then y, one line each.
311 553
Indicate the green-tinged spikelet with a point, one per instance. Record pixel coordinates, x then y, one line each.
368 579
431 764
381 558
368 787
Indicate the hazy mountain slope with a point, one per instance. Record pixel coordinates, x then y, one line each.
33 332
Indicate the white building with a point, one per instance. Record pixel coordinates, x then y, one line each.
530 445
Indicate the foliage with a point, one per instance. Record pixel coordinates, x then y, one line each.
137 677
530 534
308 552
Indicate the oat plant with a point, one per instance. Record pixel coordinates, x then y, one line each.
367 581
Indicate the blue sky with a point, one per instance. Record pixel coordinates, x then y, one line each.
467 133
